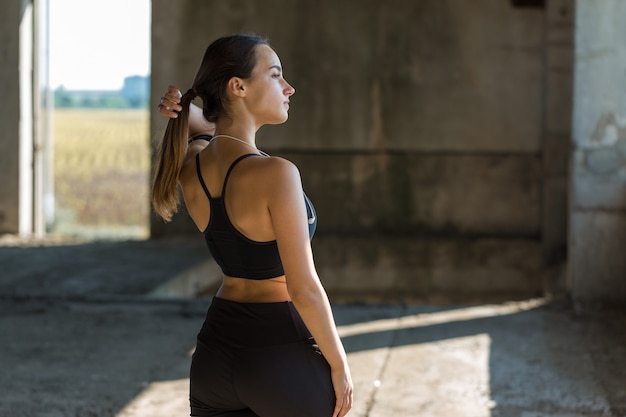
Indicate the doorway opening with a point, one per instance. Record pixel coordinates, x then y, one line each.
99 71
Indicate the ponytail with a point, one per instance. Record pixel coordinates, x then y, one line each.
169 161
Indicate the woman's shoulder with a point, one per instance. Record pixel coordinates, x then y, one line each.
273 174
275 167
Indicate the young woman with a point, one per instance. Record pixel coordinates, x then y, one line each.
269 346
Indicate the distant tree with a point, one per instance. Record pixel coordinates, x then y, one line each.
134 94
88 101
114 101
62 97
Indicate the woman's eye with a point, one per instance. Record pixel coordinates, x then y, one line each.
276 76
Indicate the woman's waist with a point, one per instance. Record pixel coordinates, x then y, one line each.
244 290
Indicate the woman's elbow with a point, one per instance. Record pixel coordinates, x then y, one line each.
309 291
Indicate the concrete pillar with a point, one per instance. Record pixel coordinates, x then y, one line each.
20 211
558 86
597 243
13 213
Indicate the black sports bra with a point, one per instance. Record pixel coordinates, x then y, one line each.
238 255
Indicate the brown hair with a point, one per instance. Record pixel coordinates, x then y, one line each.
227 57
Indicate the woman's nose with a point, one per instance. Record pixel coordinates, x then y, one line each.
290 91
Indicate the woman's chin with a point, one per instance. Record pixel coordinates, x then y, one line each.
280 120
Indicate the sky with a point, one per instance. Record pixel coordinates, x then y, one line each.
95 44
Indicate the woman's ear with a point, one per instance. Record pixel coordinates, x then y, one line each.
236 87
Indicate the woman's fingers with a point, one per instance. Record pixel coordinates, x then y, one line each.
342 383
168 108
169 104
174 91
343 404
341 409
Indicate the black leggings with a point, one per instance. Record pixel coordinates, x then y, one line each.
258 360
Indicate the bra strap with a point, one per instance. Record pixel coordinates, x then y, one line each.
206 190
235 162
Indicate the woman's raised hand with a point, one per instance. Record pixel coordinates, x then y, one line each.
169 106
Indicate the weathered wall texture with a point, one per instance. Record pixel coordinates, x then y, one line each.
419 128
598 203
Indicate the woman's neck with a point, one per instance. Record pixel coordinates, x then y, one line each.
239 129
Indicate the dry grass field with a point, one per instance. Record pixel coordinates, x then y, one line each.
101 166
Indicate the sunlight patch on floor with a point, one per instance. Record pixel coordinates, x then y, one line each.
163 398
444 378
440 317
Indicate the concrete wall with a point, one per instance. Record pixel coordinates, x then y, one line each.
10 19
597 264
419 128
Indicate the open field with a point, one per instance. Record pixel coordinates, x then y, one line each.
101 166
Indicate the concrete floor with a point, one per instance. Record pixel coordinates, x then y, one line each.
82 338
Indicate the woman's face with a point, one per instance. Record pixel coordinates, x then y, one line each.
267 95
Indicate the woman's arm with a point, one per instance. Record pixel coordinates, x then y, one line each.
288 212
169 106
